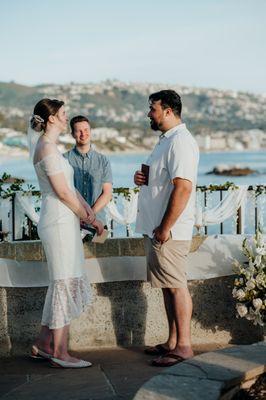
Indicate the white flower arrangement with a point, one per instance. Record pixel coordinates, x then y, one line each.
250 284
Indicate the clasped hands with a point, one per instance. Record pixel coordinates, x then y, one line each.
91 220
91 217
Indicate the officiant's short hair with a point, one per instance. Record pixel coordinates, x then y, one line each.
75 120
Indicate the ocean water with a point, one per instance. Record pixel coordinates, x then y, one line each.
124 166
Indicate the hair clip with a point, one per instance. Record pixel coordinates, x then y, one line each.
37 118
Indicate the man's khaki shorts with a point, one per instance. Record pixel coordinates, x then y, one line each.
167 262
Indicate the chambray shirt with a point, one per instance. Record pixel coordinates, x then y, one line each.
91 170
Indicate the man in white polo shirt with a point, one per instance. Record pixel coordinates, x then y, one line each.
165 216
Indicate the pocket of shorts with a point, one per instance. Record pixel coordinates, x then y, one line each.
165 244
155 244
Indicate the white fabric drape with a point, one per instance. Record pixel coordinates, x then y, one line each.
5 209
126 214
228 207
218 214
5 216
26 202
24 205
129 214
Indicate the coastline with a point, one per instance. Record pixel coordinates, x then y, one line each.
6 156
124 163
17 152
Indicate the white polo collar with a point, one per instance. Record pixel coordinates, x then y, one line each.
176 129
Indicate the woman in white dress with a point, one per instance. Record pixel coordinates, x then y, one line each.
59 230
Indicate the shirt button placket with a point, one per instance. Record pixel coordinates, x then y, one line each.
83 175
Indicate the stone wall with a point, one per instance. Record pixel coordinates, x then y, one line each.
125 313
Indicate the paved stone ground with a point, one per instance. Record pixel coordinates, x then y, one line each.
116 374
212 375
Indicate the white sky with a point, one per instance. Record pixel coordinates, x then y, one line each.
206 43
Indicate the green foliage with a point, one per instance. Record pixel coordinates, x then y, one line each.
126 192
213 188
259 189
10 185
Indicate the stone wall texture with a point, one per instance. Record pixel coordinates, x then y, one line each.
126 313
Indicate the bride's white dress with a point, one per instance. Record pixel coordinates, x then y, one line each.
69 291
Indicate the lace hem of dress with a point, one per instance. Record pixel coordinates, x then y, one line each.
65 300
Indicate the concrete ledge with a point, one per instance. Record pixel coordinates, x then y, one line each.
126 311
23 264
207 376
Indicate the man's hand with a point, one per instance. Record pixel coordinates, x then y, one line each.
161 235
98 225
90 215
139 178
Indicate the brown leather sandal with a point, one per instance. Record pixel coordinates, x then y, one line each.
176 360
158 350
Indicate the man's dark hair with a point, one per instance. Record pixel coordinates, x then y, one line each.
169 99
77 118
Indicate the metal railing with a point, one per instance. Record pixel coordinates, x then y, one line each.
255 214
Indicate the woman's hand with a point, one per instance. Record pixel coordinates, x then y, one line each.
98 225
90 216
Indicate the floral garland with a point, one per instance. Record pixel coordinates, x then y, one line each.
123 191
16 185
250 284
256 189
213 188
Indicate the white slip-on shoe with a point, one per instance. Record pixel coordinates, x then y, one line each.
57 363
36 353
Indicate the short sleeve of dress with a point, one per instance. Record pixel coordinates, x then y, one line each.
52 164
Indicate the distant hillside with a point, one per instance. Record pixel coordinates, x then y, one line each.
124 106
15 95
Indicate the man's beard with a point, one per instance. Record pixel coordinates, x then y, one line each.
154 125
